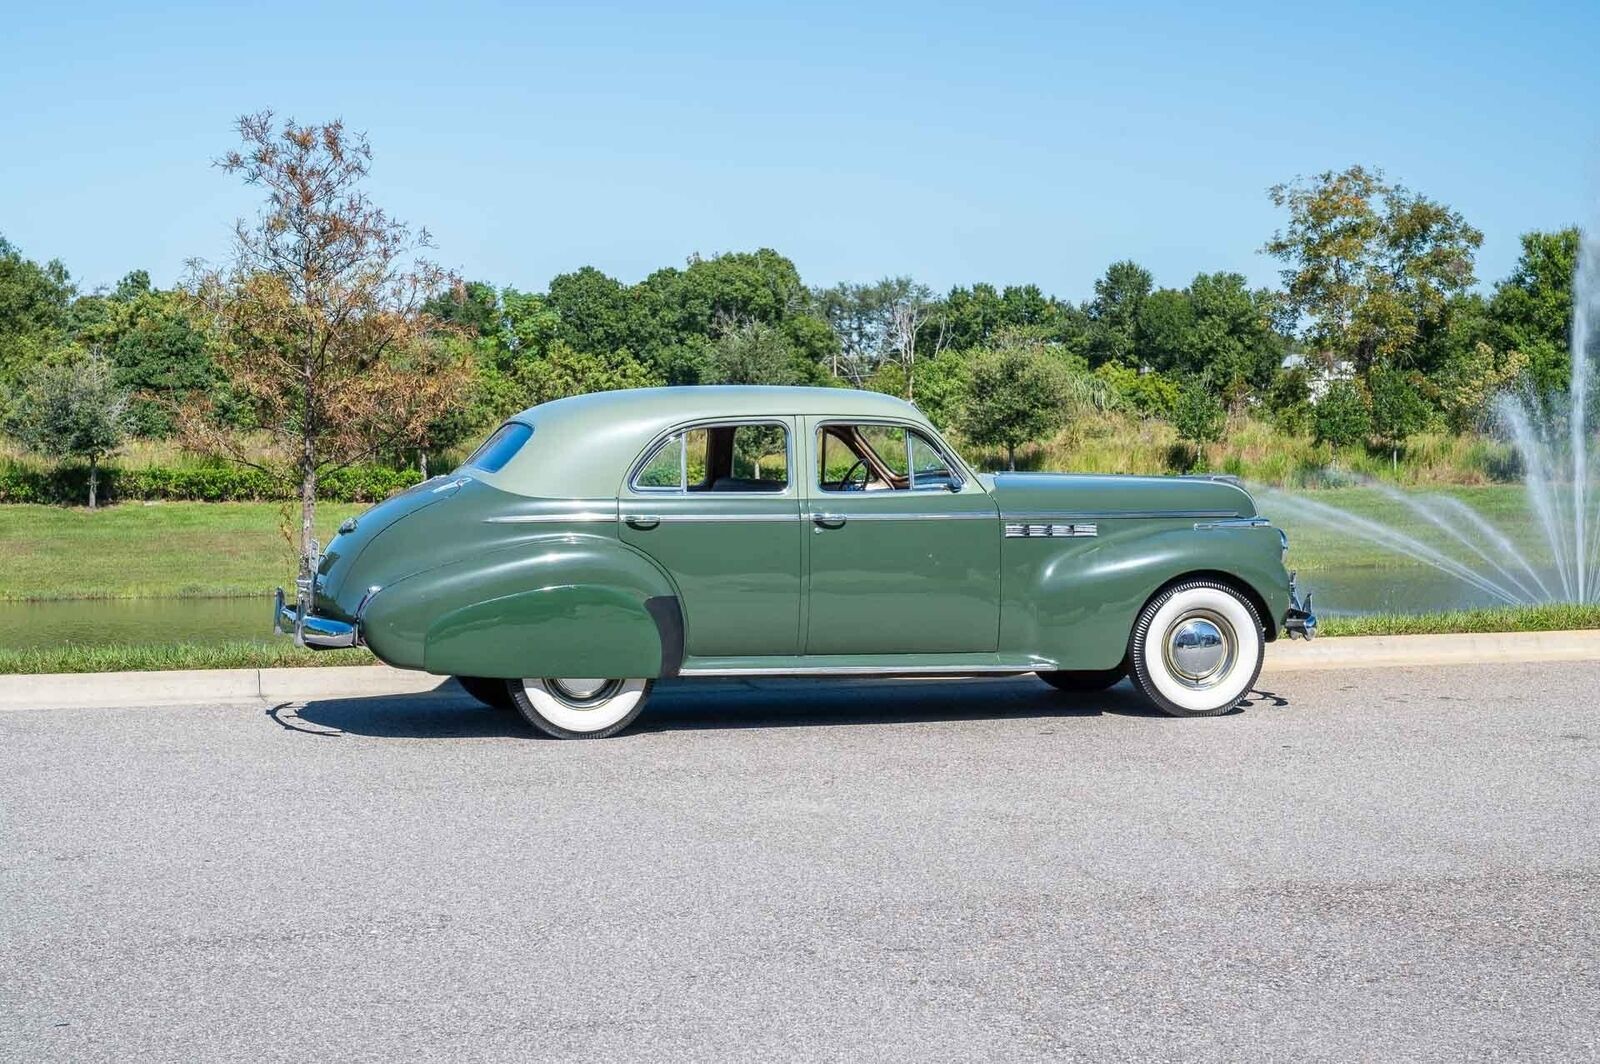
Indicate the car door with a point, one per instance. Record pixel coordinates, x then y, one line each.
717 505
898 562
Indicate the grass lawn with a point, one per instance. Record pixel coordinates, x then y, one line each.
138 550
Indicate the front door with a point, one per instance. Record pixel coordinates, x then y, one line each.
717 507
899 563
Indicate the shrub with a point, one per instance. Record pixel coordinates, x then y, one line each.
21 483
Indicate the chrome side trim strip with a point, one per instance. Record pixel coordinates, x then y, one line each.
1237 522
975 515
873 670
715 518
1112 515
590 516
1051 531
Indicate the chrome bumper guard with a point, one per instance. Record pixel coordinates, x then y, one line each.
1299 620
309 630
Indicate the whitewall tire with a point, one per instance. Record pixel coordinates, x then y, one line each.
1196 649
589 708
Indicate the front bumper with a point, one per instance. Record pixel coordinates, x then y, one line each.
309 630
1299 620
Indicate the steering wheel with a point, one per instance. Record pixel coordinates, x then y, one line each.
847 482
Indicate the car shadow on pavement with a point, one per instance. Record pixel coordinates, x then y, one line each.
689 705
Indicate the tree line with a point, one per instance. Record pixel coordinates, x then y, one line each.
328 338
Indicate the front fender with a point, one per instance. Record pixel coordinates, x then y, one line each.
563 605
1074 601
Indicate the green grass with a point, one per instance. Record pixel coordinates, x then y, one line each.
1553 618
151 550
239 655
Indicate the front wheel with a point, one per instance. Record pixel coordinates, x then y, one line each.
588 708
1196 649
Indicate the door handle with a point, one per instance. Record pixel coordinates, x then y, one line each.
643 522
828 521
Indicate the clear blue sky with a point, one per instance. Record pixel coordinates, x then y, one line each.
1008 142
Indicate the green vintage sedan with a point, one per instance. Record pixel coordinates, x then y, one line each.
596 544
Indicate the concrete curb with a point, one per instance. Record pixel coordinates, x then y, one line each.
200 686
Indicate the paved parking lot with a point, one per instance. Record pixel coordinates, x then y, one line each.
1373 865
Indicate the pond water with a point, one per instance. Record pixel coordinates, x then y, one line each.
166 622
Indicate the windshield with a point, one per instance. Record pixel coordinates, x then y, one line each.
500 448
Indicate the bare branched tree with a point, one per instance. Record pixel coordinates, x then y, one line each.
318 319
914 311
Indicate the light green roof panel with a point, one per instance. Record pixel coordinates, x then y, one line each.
582 446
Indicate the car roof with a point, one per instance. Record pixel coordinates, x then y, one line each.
584 445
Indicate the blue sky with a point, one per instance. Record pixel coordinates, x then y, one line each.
1006 142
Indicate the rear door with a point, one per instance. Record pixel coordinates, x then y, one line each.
898 562
717 506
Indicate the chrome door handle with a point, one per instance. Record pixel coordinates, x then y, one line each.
643 522
828 521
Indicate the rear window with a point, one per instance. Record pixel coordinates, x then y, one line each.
500 448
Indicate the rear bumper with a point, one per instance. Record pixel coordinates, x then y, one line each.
309 630
1299 620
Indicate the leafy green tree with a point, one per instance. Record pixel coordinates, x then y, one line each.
1531 311
1369 264
565 371
1233 345
72 408
753 352
34 302
1113 314
1164 332
592 308
1015 394
1199 417
1342 416
1399 410
1288 400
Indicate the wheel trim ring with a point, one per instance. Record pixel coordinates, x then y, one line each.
595 698
1217 673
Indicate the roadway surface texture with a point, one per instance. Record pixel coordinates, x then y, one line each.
1380 865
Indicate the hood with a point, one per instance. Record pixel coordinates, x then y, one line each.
1110 495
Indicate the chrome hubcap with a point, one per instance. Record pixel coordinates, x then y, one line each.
582 693
1199 648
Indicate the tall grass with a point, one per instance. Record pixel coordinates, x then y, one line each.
1256 450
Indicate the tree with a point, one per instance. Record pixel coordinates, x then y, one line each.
1199 417
859 315
1531 311
1368 264
159 351
1114 312
72 409
1341 417
1015 394
913 311
751 352
564 371
318 320
1398 409
34 302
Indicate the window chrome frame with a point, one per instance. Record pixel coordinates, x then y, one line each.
963 475
683 429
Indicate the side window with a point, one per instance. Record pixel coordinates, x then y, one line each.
928 467
663 470
760 457
889 441
719 458
500 448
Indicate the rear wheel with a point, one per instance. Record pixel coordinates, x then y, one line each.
1196 649
488 690
1083 680
572 708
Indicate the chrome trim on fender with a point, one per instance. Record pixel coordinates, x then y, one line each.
709 518
967 515
1112 515
579 517
1049 531
1237 522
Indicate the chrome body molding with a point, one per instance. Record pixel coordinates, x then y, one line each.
855 515
1112 515
580 517
669 518
871 670
1050 531
1236 522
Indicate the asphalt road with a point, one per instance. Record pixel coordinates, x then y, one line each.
1358 865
